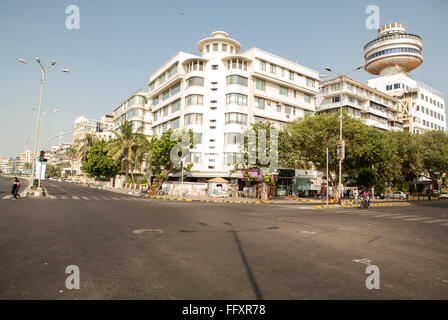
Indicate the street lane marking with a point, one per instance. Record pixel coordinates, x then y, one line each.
64 197
444 224
105 198
53 197
75 197
384 215
400 217
95 198
85 198
351 212
115 198
436 221
7 196
418 219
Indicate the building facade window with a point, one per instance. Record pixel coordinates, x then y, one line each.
194 99
193 118
235 79
232 138
195 81
260 84
195 65
172 71
259 103
307 98
283 91
310 82
236 98
175 106
235 117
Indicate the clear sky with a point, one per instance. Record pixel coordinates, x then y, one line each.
121 43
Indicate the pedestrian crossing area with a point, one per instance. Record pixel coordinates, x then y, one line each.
82 198
395 216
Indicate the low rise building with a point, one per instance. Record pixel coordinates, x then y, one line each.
375 108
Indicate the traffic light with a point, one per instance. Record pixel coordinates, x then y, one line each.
42 157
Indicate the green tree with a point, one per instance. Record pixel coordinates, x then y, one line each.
161 161
408 155
72 153
125 149
310 137
434 153
99 165
53 171
261 153
27 165
85 147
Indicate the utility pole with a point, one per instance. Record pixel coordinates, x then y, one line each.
36 139
327 177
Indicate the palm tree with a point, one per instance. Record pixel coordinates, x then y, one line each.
72 153
85 147
128 148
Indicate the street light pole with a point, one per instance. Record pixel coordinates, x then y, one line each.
341 78
38 127
36 139
340 187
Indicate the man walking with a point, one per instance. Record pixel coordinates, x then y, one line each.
15 188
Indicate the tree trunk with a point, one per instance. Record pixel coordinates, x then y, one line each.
264 193
336 195
132 174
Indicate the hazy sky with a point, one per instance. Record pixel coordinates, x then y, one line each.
121 43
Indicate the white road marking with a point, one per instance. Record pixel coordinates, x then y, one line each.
351 212
53 197
401 217
436 221
115 198
85 198
75 197
385 215
95 198
105 198
64 197
7 196
418 219
444 224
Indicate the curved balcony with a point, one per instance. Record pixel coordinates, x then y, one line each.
406 36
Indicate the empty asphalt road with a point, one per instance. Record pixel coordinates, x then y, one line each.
132 248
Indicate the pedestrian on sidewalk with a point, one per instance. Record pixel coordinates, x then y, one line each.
15 188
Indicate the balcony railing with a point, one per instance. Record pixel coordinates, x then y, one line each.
394 37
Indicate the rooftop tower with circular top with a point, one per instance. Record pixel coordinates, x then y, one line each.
393 51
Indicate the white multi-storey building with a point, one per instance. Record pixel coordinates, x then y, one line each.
392 56
375 108
135 109
26 157
221 92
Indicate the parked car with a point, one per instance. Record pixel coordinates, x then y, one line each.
397 195
380 195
